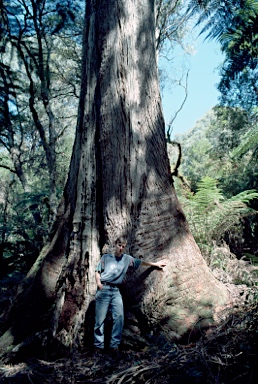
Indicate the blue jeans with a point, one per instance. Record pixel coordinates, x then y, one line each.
108 298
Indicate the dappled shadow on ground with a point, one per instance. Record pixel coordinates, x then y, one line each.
226 354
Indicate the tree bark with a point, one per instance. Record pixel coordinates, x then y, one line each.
119 182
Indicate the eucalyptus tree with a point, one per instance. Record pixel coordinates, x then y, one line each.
171 23
119 181
174 38
34 85
40 59
33 143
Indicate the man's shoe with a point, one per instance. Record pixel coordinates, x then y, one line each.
114 352
98 352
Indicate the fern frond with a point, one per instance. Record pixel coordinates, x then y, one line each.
252 258
208 194
250 142
226 219
210 215
245 196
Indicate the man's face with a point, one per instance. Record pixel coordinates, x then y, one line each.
119 248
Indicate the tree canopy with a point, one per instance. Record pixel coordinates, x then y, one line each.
119 179
234 24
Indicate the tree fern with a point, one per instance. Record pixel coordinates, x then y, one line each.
227 217
211 215
207 193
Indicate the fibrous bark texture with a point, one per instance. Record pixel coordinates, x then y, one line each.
124 182
120 182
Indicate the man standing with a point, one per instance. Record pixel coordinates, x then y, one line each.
110 273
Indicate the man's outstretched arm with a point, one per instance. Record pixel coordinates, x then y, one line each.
159 264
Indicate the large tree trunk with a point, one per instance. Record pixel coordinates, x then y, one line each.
119 181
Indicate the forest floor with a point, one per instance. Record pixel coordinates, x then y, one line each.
226 354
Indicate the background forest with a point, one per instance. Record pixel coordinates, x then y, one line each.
214 164
40 80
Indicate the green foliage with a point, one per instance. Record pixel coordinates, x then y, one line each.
235 24
211 216
171 23
207 150
40 74
220 165
226 129
24 223
242 91
39 77
249 142
40 63
207 193
253 259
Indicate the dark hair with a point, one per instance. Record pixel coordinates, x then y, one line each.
121 239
